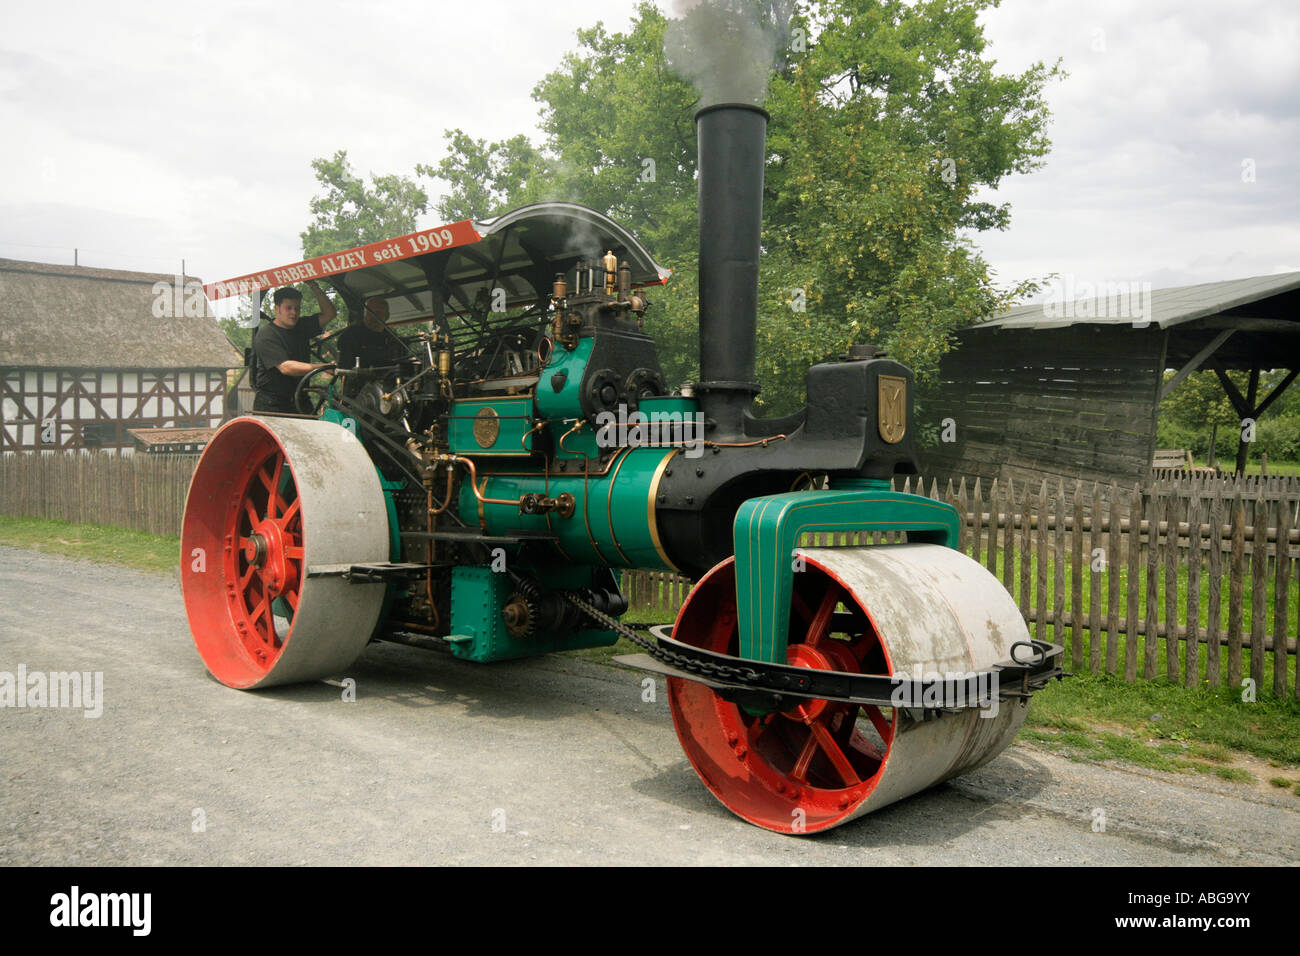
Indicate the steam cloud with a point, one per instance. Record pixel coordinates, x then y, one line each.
727 48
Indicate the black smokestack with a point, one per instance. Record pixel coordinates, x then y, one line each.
732 151
728 48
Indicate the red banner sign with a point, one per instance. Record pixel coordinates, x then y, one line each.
376 254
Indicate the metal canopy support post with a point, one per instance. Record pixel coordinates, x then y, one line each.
398 286
435 272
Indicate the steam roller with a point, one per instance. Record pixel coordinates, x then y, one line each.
484 490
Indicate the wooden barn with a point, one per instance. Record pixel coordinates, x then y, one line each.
87 354
1071 389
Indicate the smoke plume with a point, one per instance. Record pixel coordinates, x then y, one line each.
727 48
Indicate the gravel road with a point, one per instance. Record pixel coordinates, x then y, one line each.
438 761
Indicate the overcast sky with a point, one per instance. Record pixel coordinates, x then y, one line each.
145 133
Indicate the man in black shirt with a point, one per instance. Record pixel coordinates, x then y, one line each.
283 348
369 343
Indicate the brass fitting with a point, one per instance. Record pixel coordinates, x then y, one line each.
611 273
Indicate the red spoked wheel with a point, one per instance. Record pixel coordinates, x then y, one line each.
269 500
805 769
266 563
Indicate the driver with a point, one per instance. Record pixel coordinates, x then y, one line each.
369 343
283 348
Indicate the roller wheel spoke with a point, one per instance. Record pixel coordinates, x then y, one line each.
256 619
275 484
271 555
832 750
847 722
883 727
822 619
800 769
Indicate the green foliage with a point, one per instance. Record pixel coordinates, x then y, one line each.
489 178
350 213
1214 723
1279 438
884 133
1199 402
886 125
239 329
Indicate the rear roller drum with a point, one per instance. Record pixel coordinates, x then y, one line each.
269 499
881 610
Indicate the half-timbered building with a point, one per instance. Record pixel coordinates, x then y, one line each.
87 354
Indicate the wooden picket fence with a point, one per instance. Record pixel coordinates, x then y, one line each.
1131 582
140 492
1269 487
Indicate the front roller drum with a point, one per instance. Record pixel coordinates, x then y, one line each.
269 500
896 609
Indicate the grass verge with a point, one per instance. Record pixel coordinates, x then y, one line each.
1156 724
132 549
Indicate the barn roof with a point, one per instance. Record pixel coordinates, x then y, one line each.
1246 300
54 316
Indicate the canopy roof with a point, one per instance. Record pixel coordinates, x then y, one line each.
449 267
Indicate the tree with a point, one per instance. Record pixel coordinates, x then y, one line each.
887 123
489 177
350 213
1199 408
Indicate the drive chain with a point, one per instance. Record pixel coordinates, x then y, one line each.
722 672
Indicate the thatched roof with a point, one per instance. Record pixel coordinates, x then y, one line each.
69 317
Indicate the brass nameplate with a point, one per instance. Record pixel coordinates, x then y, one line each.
487 426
